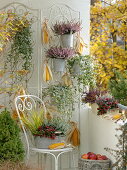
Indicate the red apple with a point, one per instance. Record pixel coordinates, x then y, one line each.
89 153
93 156
100 158
104 157
84 156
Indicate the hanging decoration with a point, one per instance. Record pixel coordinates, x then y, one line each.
80 45
45 32
73 136
47 74
66 79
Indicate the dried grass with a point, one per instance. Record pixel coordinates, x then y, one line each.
15 166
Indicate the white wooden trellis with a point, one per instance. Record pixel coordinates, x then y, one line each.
35 14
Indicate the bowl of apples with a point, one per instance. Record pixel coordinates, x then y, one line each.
92 161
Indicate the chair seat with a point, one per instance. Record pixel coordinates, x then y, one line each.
51 151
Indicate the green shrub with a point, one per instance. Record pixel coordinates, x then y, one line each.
11 147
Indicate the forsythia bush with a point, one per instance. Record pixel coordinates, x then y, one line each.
109 38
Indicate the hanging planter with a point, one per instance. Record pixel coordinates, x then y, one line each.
59 56
76 68
66 40
66 30
59 64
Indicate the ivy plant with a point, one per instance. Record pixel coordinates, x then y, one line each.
20 54
86 74
62 97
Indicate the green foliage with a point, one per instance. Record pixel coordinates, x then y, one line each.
59 124
33 119
86 75
21 50
118 87
62 97
11 147
121 153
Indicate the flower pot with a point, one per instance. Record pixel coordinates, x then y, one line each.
59 64
94 107
76 69
43 142
66 40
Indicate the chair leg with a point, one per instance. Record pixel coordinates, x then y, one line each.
38 159
73 159
45 161
41 161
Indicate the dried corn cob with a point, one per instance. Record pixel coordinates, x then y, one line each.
57 146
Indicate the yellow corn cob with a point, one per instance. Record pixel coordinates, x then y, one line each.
80 45
116 117
47 75
45 33
66 79
57 146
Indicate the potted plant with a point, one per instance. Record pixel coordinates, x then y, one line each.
62 97
45 131
106 104
66 29
59 55
90 97
81 68
118 88
50 132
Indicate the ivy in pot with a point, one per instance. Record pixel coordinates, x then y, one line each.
82 69
62 97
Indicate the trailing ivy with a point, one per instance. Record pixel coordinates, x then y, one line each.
62 97
20 54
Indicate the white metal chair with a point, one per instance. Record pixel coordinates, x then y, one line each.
27 103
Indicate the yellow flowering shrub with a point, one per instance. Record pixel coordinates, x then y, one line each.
109 38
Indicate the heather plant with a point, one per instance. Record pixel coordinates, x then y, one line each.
59 52
90 97
67 27
105 104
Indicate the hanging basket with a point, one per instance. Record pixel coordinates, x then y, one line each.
43 142
59 64
76 69
66 40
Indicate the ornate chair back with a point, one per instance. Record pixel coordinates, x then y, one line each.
27 103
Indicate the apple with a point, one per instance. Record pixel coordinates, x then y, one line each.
100 158
104 157
89 153
92 156
85 156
